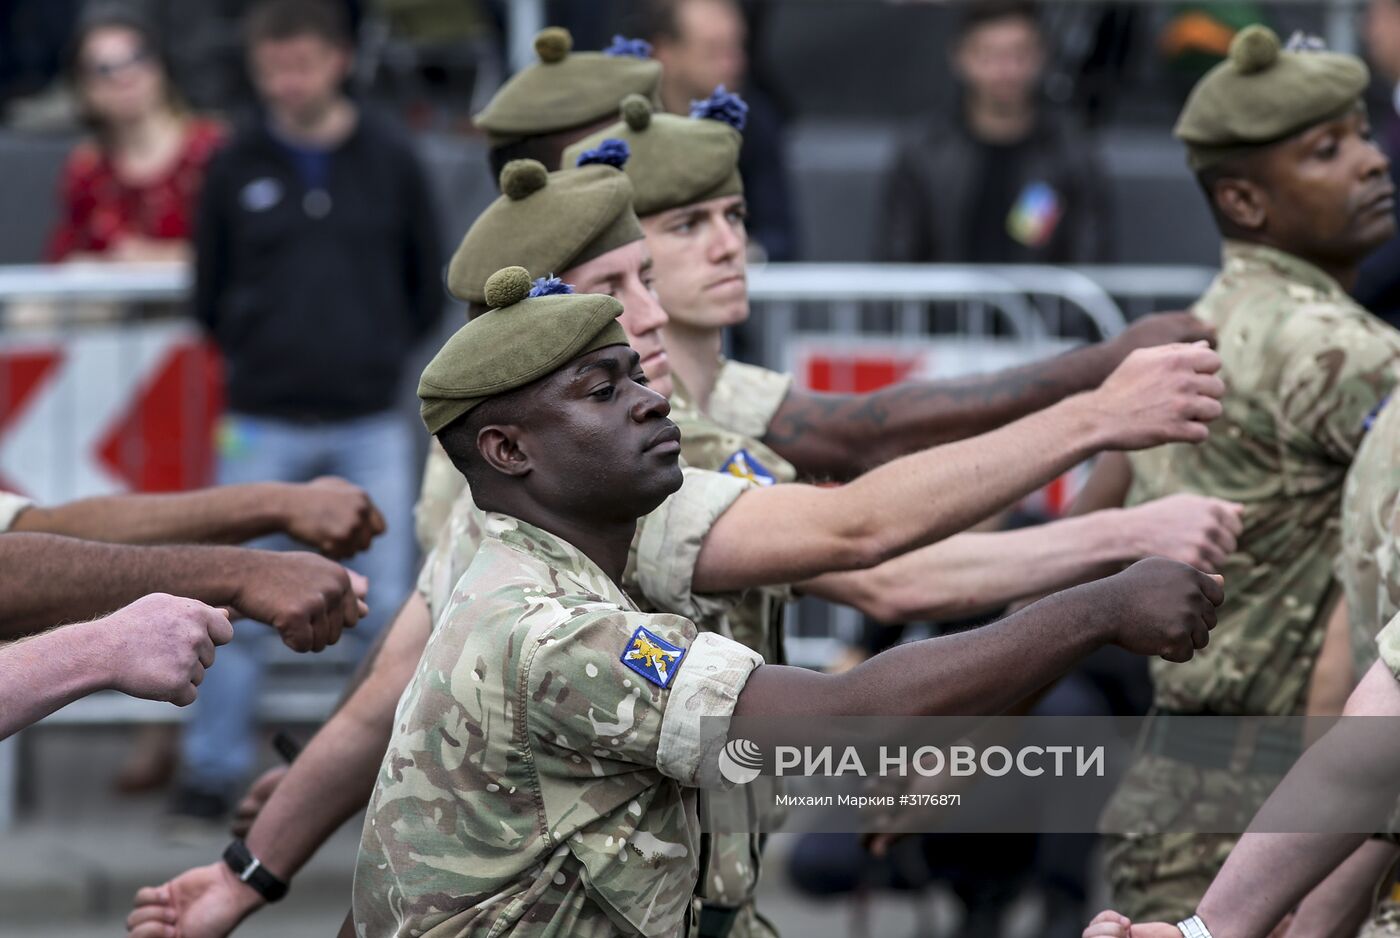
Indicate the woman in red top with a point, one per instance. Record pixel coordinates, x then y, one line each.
129 193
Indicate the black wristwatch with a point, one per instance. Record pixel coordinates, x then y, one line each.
249 869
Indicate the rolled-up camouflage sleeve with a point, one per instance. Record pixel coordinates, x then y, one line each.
608 710
10 507
1348 366
442 483
707 687
457 543
670 538
746 398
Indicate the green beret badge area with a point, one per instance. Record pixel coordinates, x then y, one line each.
652 657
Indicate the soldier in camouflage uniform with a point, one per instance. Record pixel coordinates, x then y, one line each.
729 885
560 221
1267 874
1368 569
1304 366
677 162
542 109
540 805
539 780
749 536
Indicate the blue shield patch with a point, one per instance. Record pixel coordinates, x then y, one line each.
653 658
745 466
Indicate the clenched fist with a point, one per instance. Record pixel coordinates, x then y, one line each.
159 646
1160 607
1165 394
1197 530
330 515
306 598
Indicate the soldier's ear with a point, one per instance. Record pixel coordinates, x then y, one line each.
500 446
1242 202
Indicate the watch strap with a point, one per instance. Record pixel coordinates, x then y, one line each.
249 869
1193 927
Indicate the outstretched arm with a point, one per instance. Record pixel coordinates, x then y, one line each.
46 579
156 648
1155 607
979 572
330 515
791 533
839 436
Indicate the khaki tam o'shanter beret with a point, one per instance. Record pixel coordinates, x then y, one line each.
675 160
568 89
532 330
546 222
1264 93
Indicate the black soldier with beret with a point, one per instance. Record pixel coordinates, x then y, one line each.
1281 146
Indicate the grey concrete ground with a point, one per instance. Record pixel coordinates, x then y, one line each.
71 868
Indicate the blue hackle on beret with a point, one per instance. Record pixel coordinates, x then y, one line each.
550 286
611 152
723 106
621 45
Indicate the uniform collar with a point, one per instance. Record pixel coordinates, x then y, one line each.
1243 256
555 553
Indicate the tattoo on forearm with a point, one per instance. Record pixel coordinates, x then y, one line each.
915 414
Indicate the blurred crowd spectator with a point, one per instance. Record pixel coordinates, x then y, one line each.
1004 178
128 192
318 269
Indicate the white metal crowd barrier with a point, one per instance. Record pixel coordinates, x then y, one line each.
1033 308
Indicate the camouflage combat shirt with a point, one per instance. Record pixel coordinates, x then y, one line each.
705 444
541 775
660 565
659 577
1303 366
746 398
442 483
1369 564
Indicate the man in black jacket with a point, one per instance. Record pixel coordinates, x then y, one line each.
318 268
1004 180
